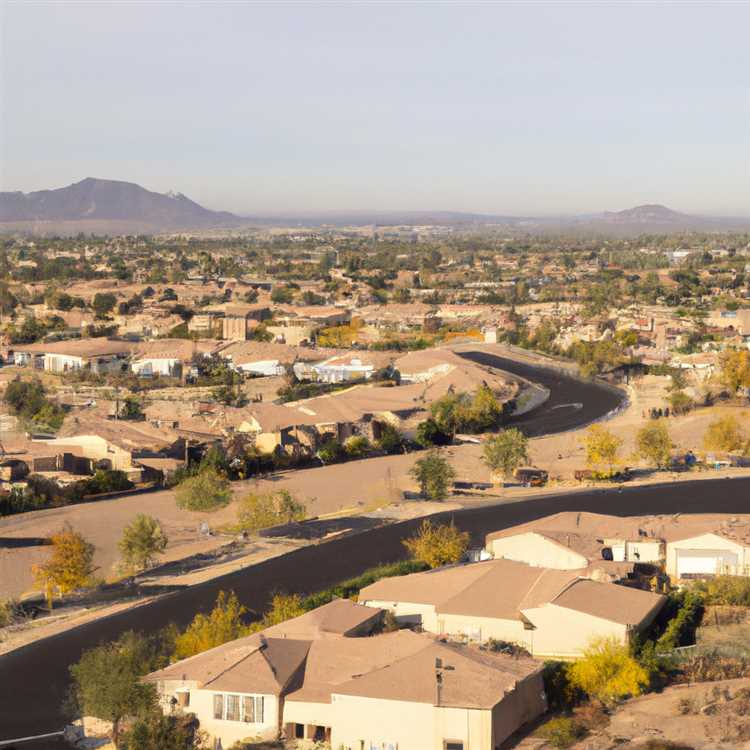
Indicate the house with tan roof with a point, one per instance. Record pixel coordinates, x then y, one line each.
684 545
574 541
168 357
98 354
551 613
321 678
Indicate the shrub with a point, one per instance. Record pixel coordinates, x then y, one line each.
357 446
607 671
562 732
682 626
204 492
726 590
142 540
262 511
437 545
390 440
330 452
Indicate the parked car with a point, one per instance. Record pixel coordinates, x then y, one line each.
532 477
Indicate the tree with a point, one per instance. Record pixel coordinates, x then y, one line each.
680 402
484 412
261 511
735 369
103 303
608 672
505 452
429 433
437 545
142 540
390 440
131 409
602 447
283 607
70 565
434 475
724 434
206 491
106 681
654 444
222 624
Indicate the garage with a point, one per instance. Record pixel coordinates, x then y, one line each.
695 563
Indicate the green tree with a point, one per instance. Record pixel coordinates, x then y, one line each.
434 475
142 541
103 303
608 672
654 444
437 545
222 624
206 491
106 681
70 565
390 440
602 447
680 402
505 452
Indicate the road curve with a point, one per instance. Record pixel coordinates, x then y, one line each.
34 679
572 403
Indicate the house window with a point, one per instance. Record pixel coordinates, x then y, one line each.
299 732
218 706
453 745
233 708
252 709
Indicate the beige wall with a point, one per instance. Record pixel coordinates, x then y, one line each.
229 732
413 726
708 542
533 549
97 448
564 633
483 628
423 614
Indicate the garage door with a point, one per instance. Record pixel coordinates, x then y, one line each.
704 562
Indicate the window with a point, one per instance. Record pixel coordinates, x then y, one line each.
299 731
218 706
233 708
252 709
453 745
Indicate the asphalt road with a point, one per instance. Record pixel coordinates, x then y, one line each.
34 679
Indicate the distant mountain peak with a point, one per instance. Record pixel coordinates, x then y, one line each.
111 200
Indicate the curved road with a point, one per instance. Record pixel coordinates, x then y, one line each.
34 679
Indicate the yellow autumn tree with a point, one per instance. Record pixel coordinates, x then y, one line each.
724 434
608 672
70 565
602 447
437 544
735 369
222 624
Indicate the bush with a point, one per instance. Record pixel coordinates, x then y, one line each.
262 511
330 452
437 545
204 492
562 732
357 446
726 590
390 440
607 671
429 433
680 630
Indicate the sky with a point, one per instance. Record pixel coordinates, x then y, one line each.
521 108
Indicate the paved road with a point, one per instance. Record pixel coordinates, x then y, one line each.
572 402
34 679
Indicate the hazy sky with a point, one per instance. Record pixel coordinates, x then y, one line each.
499 107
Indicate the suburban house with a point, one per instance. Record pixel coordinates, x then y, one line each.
551 613
574 541
312 679
98 354
685 546
168 357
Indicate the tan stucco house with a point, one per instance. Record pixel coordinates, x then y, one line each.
308 680
551 613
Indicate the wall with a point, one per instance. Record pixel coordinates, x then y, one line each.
518 707
565 633
411 726
423 614
62 362
534 549
482 628
229 732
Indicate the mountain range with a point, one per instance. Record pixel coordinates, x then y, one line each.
112 206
